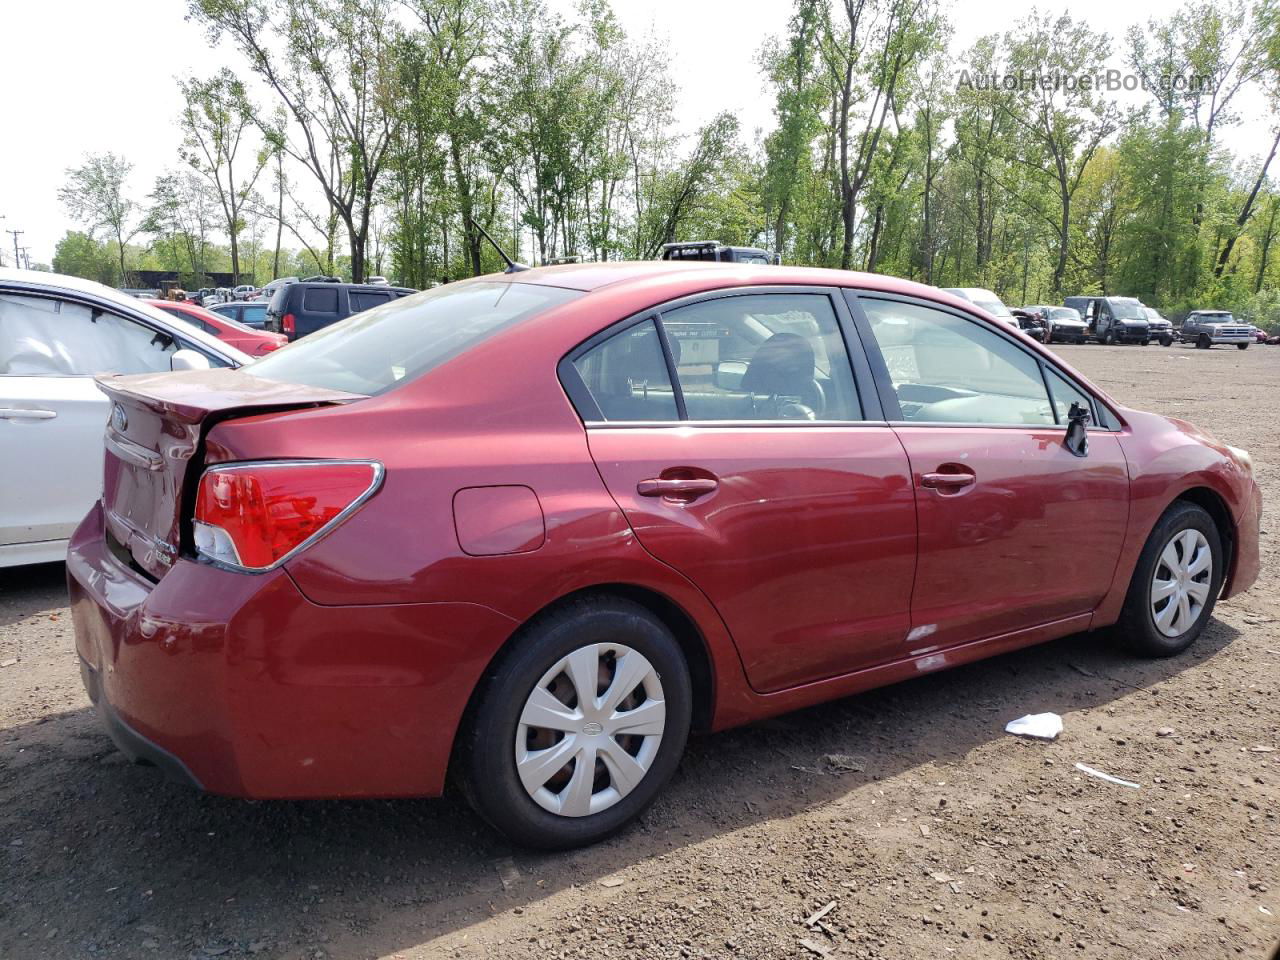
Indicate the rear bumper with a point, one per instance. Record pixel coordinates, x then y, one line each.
131 743
239 685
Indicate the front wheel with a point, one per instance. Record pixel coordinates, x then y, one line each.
1166 341
1203 342
1107 338
1242 346
578 726
1175 583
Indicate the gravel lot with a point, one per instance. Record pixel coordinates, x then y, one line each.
948 838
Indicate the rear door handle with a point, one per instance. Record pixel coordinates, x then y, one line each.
18 413
947 481
677 488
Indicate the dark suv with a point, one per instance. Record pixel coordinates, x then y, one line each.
304 307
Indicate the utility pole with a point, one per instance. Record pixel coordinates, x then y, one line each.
17 261
1 258
26 257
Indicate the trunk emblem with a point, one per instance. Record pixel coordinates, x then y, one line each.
119 419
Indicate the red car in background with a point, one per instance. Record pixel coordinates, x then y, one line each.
250 341
529 530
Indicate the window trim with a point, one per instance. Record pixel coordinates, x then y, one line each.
860 369
1102 416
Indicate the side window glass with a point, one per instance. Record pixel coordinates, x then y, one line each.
762 357
363 300
254 316
320 300
1065 393
627 376
43 337
946 369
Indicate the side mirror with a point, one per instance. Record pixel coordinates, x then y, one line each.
186 359
1077 438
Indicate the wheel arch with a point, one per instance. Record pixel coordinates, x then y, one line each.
1213 504
684 629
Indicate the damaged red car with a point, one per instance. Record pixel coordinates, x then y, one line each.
530 530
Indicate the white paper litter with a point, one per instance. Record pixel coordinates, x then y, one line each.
1042 726
1107 777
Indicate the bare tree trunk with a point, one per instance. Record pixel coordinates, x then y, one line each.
1247 209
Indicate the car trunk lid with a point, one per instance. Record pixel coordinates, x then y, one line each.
154 448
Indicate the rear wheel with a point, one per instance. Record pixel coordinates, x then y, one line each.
579 726
1175 584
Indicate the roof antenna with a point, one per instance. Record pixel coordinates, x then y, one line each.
512 266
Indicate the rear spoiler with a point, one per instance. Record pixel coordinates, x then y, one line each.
192 395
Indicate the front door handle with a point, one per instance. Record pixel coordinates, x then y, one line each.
948 481
677 488
19 413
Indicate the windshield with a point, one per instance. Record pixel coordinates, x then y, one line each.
1064 313
1222 317
373 351
1127 310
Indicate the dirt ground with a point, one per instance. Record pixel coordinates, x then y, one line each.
948 838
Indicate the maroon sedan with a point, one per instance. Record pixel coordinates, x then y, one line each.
246 339
529 530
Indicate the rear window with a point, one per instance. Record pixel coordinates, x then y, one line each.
320 300
373 351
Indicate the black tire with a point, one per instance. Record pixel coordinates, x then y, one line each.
1242 346
1203 342
486 760
1166 341
1146 343
1137 624
1107 339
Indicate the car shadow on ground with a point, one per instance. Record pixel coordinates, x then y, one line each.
190 872
33 589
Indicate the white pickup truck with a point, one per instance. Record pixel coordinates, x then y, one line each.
1205 328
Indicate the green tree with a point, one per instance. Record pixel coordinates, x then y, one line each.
217 116
94 195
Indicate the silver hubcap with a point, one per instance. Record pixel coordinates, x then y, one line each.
590 729
1180 585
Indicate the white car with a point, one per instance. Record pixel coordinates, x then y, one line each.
987 300
56 334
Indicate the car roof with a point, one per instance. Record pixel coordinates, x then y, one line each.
589 277
62 283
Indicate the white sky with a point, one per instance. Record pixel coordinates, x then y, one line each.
79 76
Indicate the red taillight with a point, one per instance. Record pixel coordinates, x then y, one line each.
287 324
254 515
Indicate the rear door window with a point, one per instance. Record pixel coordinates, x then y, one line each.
364 299
320 300
767 356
